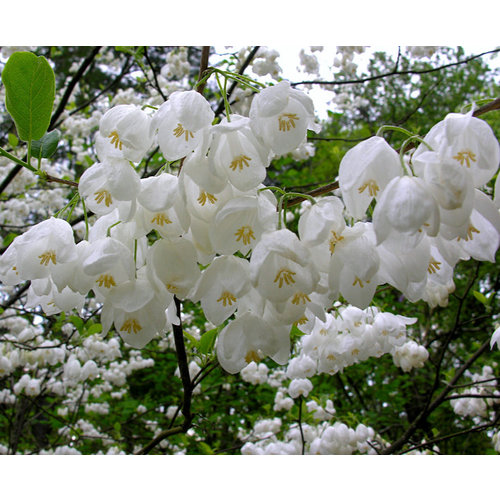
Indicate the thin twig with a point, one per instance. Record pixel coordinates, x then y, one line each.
393 73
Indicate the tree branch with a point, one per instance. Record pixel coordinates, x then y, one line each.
71 85
234 84
393 73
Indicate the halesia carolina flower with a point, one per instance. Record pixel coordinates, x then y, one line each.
466 140
405 211
221 285
480 236
182 123
174 263
110 263
237 154
35 253
321 221
240 222
126 131
138 310
109 185
43 293
365 171
281 116
281 268
354 265
249 338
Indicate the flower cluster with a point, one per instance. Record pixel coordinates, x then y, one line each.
214 233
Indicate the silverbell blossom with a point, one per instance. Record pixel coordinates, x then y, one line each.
237 154
249 338
354 265
126 130
35 253
466 140
241 221
405 211
280 116
281 267
182 123
108 185
221 286
364 172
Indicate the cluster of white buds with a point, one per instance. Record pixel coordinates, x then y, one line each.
347 337
321 439
475 400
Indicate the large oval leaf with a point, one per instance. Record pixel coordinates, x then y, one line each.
29 93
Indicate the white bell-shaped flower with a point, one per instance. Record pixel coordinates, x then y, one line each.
322 221
222 283
365 171
174 263
281 267
237 154
466 140
354 265
109 185
182 122
249 338
480 236
35 253
281 116
405 211
43 293
110 263
126 131
240 222
138 310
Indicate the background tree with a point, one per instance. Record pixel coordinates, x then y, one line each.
66 389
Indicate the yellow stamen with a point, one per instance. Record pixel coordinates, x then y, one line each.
301 321
106 280
172 288
240 162
227 299
131 325
372 186
284 276
470 230
465 157
334 240
433 266
204 196
286 121
359 282
46 257
245 233
103 195
115 139
160 219
252 356
180 130
300 297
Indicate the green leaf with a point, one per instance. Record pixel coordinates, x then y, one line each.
94 328
9 239
480 297
29 93
13 140
46 146
78 322
205 448
207 341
